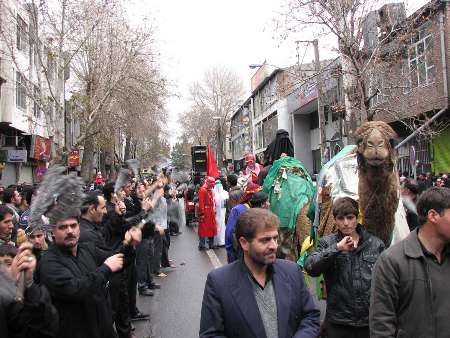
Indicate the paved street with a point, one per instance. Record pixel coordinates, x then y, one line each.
175 309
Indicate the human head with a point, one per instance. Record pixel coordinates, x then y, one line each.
210 182
7 254
93 207
37 238
66 233
250 160
6 222
410 189
345 213
127 188
232 180
108 191
440 182
433 208
257 234
259 200
12 196
27 193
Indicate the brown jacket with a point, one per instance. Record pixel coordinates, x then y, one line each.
401 303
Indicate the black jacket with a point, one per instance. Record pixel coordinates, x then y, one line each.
36 317
229 307
79 287
347 275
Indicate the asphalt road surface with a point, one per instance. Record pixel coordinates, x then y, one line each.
175 308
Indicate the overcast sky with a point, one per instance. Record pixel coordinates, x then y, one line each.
193 35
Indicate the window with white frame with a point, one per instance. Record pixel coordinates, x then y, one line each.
21 96
421 68
21 34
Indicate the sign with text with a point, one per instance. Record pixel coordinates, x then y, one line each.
17 155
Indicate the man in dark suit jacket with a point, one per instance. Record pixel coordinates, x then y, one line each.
258 296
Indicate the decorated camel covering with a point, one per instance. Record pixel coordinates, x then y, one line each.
290 188
366 173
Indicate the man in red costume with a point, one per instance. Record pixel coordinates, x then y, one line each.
252 168
207 227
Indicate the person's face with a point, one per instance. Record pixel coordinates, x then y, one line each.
67 233
98 212
140 190
263 248
127 189
37 238
6 226
347 224
6 262
439 182
266 205
441 223
251 163
17 199
121 194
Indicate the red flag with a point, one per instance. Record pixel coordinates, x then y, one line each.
211 165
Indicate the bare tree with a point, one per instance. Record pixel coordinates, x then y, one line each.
213 101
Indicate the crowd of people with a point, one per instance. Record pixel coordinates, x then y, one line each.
74 259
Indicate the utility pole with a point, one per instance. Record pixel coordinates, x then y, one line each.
320 102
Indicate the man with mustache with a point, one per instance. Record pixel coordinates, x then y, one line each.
77 275
258 296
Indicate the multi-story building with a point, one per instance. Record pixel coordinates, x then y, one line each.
32 92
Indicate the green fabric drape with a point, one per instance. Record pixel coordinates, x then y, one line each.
290 187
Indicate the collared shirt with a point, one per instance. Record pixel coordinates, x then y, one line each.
266 301
438 273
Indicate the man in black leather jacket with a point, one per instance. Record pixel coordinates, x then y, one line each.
346 259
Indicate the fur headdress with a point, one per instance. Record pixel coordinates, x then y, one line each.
59 197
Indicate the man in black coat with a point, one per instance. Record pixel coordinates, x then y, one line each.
258 296
77 276
92 231
346 259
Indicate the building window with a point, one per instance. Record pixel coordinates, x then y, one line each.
259 136
317 161
270 126
21 96
314 120
421 68
22 31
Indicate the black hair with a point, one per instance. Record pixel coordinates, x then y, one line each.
108 191
436 198
258 199
90 199
8 195
28 192
412 187
345 206
253 219
8 250
4 210
232 180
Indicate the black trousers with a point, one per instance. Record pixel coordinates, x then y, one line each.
131 273
165 250
202 242
120 304
157 252
346 331
143 263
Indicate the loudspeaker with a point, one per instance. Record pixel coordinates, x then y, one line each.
198 159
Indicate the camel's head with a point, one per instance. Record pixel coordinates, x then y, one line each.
375 140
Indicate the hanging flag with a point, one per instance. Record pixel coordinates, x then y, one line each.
211 165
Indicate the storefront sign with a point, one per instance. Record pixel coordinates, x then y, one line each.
74 158
17 155
40 148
